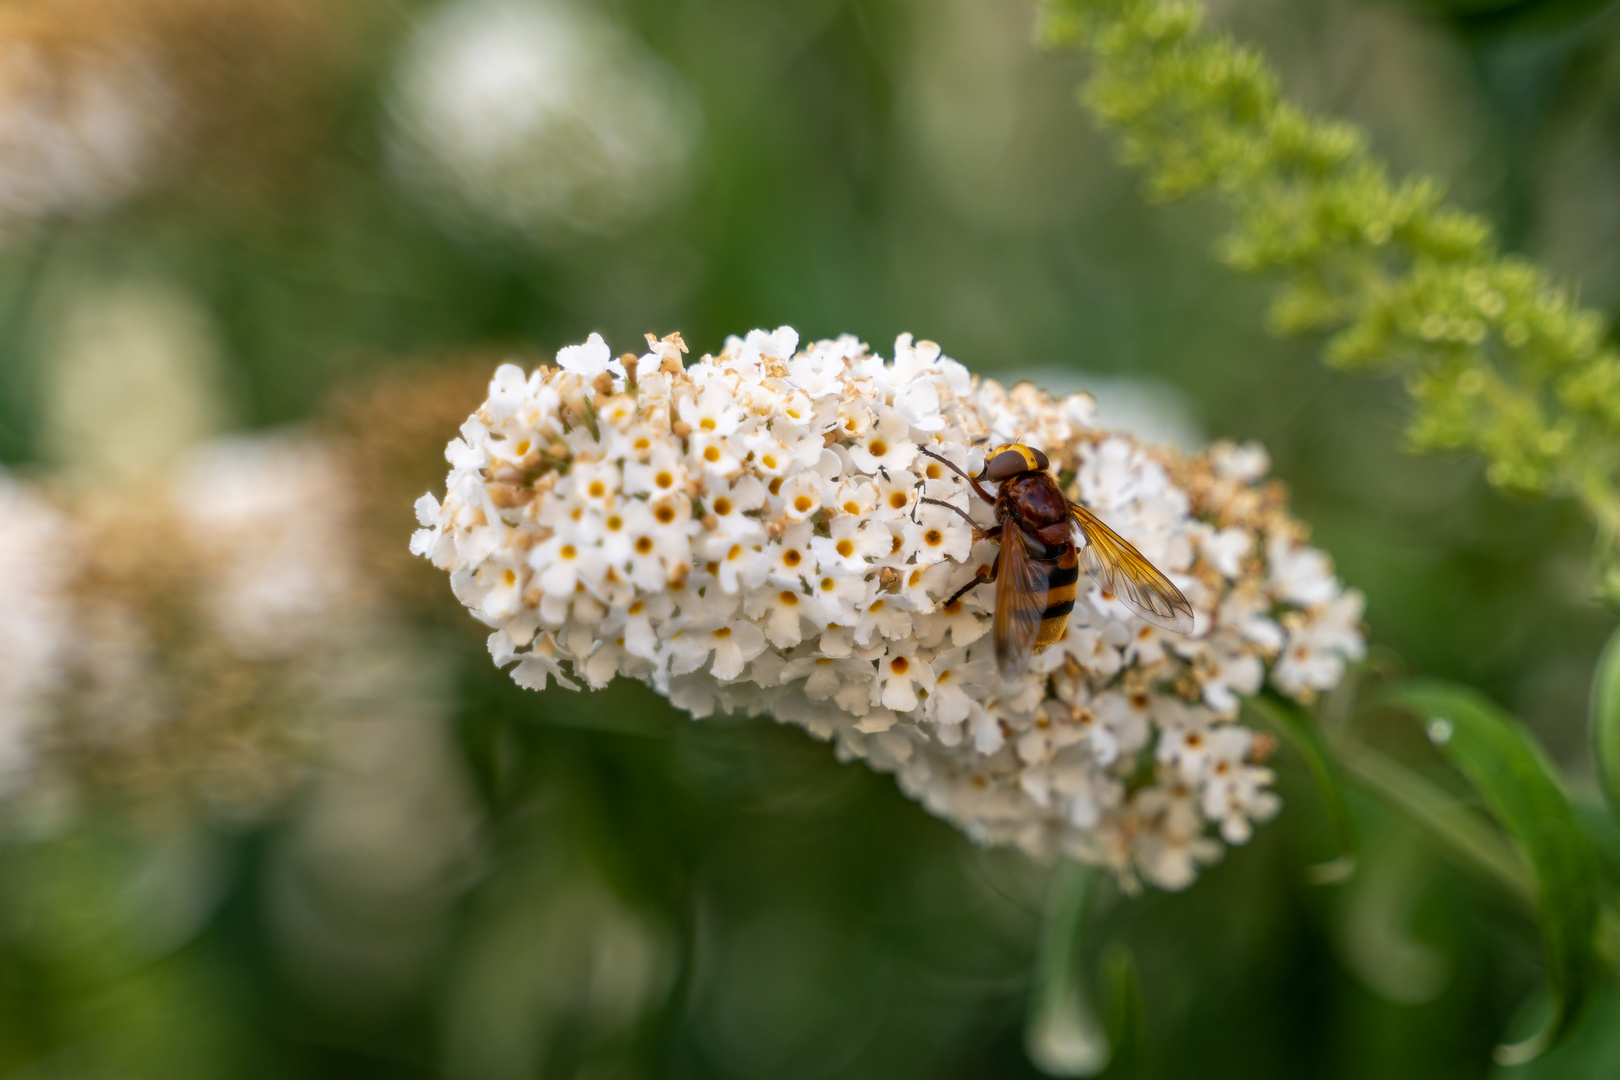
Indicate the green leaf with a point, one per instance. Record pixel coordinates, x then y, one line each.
1064 1036
1605 721
1590 1052
1304 735
1518 785
1464 836
1374 931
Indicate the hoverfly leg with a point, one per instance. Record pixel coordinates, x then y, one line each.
979 531
981 579
951 465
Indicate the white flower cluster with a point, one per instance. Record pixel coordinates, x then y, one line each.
36 564
175 649
539 116
83 125
746 534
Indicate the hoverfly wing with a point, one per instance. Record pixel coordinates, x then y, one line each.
1020 599
1122 572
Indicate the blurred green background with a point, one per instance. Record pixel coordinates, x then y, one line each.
233 215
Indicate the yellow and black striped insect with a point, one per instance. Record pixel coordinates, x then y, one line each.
1038 566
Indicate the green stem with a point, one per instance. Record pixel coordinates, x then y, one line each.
1065 1037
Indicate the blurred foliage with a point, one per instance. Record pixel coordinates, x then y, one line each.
1497 358
593 885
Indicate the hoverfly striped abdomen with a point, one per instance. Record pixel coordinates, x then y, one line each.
1062 566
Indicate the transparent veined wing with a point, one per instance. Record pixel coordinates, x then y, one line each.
1123 573
1020 599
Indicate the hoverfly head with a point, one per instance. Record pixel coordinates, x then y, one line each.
1005 462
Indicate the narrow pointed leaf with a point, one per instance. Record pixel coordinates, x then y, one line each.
1605 721
1518 784
1466 838
1304 735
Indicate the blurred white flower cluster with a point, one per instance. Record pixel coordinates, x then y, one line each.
178 649
540 116
745 534
84 122
36 566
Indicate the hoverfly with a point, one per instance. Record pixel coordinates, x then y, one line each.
1038 567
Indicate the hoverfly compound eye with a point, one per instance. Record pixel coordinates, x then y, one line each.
1040 460
1007 464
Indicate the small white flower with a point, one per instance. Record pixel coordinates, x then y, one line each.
884 444
881 617
900 675
560 564
1227 549
953 696
1246 463
938 534
781 614
1300 575
840 597
851 545
663 473
1228 673
588 360
732 644
713 412
1318 645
